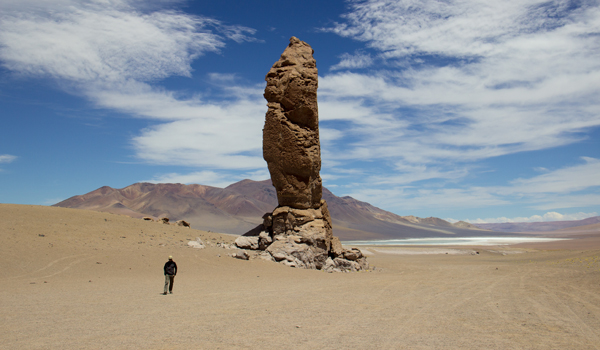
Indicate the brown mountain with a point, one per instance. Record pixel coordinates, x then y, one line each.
240 207
538 226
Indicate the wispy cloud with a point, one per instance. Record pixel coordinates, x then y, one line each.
549 216
219 179
465 81
102 42
566 180
358 60
7 158
114 52
222 137
207 178
569 187
475 79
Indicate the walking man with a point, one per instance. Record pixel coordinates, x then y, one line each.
170 272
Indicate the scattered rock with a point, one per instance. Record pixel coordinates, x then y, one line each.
183 223
352 254
198 244
336 247
246 242
226 246
240 254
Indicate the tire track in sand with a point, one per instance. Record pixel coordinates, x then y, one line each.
52 263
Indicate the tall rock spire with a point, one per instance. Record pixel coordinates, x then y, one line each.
291 134
298 232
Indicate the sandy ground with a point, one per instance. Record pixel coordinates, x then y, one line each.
72 279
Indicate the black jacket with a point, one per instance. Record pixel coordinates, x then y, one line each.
170 268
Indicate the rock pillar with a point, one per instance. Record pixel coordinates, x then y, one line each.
298 232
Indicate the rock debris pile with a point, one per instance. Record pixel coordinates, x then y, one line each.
298 232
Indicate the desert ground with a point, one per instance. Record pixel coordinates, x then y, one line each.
76 279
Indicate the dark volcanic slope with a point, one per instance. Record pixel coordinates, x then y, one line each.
240 207
538 226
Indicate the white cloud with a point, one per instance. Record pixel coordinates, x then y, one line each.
358 60
467 81
403 200
549 216
467 28
565 180
219 179
228 136
498 56
576 200
206 178
113 52
575 186
104 42
7 158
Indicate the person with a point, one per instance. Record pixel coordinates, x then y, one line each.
170 272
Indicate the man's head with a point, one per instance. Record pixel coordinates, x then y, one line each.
170 257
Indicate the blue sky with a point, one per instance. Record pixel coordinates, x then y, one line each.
485 111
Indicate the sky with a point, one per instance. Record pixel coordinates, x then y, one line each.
475 110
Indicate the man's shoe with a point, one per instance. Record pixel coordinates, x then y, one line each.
165 293
169 293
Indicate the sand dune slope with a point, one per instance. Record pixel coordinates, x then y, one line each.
94 281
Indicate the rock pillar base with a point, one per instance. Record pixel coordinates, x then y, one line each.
302 238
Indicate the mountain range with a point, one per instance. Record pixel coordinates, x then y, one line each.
539 226
239 207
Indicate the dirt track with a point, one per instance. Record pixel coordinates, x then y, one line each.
83 286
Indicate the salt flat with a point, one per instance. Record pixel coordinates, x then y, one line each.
75 279
471 241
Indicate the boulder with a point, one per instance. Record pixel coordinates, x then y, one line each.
197 243
264 240
352 254
295 254
183 223
247 242
346 265
240 254
336 247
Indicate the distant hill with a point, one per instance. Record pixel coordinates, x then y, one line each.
538 226
240 207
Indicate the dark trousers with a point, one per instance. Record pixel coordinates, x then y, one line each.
169 279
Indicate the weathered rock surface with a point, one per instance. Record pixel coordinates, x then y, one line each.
298 232
197 243
246 242
291 133
182 223
242 255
